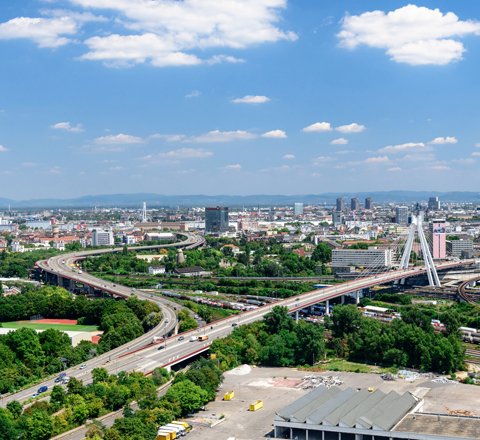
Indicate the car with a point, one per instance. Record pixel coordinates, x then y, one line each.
114 285
234 324
181 338
34 395
194 338
83 366
161 347
42 390
151 296
133 289
58 379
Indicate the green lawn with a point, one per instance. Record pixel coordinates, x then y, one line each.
42 326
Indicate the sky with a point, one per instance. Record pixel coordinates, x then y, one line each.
238 97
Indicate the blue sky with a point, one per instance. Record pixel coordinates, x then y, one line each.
237 97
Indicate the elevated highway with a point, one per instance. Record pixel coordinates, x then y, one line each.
139 355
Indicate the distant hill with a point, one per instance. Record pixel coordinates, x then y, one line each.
159 200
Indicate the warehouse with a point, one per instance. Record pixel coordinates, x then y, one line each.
361 414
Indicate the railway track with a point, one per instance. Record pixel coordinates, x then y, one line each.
473 356
462 293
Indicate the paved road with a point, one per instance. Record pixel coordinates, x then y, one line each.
150 358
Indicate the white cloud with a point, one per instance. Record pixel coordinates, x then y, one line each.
185 153
344 152
323 159
278 134
66 126
411 34
169 137
395 169
118 139
477 145
466 161
438 167
473 154
194 94
288 156
232 167
352 128
55 170
372 161
222 136
116 168
417 157
410 146
318 126
2 148
340 141
445 140
251 99
43 31
28 164
165 31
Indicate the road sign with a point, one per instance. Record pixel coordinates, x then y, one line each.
213 356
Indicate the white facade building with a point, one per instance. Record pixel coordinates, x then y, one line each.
101 238
372 257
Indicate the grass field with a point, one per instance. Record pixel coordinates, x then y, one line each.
42 326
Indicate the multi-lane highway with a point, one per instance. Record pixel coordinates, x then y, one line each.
181 347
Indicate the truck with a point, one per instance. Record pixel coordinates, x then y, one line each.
187 427
180 430
203 338
157 339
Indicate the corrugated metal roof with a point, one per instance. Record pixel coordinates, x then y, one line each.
319 414
367 419
302 414
348 420
334 417
287 412
395 413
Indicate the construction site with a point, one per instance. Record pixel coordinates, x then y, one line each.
430 406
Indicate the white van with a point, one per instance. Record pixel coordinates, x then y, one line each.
194 338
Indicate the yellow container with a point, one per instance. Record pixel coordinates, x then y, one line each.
228 396
256 405
370 389
184 424
163 436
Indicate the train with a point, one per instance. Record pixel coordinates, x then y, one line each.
470 335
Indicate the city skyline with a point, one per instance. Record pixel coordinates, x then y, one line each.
256 98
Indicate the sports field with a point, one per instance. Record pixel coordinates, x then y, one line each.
38 325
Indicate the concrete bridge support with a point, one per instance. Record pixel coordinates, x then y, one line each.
357 296
73 285
296 316
327 307
59 281
343 299
91 290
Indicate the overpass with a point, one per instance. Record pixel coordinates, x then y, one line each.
140 355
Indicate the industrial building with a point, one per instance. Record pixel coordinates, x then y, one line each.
361 414
216 219
373 257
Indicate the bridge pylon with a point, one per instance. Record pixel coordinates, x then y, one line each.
417 226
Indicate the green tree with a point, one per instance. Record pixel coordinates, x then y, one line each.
15 408
39 426
8 430
53 341
345 320
75 386
99 375
189 395
451 319
278 320
322 253
58 394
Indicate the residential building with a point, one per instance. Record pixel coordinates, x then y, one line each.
337 218
455 247
59 245
155 270
373 257
401 216
433 204
438 244
216 219
369 203
340 204
354 204
129 240
83 242
102 238
298 209
17 247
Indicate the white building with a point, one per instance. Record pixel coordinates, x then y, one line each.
155 270
17 247
60 246
101 238
372 257
129 239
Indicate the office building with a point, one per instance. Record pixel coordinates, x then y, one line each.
340 204
298 209
216 219
101 238
373 257
369 203
337 218
455 247
401 216
437 240
354 204
433 204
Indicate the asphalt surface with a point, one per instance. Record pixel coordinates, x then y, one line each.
151 357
